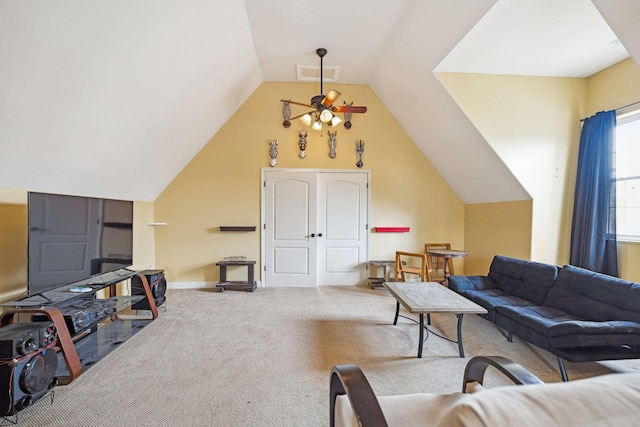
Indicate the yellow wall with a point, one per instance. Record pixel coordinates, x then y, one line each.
221 185
13 241
496 229
613 88
533 125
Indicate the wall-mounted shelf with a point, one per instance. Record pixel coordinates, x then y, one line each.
125 225
392 229
237 228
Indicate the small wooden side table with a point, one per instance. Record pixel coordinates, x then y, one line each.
248 286
378 281
447 254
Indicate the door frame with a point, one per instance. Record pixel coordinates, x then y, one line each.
264 171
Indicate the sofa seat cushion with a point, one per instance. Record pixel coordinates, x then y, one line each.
525 279
408 410
594 296
492 298
583 333
607 400
537 317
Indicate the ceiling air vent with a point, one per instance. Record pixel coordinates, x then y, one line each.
311 73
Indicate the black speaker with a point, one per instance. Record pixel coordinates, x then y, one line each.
157 284
27 367
19 339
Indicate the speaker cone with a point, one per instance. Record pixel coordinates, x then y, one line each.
39 372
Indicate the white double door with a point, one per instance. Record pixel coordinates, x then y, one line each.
315 229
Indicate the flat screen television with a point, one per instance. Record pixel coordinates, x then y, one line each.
73 238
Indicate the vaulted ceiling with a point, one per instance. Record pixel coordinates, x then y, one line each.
93 92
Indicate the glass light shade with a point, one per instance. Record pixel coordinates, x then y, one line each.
317 125
336 121
326 116
306 119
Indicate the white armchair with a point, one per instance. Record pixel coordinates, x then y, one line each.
612 399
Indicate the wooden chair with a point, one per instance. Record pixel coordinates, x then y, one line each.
435 264
352 400
407 263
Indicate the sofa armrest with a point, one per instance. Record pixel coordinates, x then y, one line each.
470 283
476 367
350 380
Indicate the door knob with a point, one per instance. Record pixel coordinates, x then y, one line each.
313 234
319 234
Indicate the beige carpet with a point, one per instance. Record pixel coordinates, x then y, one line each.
263 359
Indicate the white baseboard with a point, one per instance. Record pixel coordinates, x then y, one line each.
197 285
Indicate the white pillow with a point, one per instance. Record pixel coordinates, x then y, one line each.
607 400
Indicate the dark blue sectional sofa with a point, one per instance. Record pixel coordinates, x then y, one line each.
576 314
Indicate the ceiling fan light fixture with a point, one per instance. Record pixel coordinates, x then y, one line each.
326 116
322 107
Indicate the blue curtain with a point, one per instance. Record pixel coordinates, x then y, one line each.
593 231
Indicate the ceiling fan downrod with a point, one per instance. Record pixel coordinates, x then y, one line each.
316 101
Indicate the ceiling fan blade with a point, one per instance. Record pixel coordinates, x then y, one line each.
331 97
300 115
349 109
296 103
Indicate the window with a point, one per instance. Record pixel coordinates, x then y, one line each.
628 176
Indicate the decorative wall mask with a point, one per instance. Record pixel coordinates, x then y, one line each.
286 114
332 144
302 143
273 152
359 151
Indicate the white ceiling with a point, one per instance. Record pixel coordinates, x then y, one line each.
132 83
567 38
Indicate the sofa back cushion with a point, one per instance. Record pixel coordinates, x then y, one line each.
525 279
594 296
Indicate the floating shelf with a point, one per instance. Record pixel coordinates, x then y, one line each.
392 229
237 228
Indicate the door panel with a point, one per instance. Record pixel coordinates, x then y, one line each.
290 261
290 204
342 217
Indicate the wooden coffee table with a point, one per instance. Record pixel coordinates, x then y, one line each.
430 297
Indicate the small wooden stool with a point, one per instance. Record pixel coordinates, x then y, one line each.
249 285
378 281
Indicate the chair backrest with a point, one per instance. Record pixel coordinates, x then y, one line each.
435 262
407 262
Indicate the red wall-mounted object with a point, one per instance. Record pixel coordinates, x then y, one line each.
392 229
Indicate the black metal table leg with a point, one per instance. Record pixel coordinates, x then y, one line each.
460 335
395 320
421 336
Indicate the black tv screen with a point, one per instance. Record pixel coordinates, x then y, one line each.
72 238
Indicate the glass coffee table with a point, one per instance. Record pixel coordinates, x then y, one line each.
430 297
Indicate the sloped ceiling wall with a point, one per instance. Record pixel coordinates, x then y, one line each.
113 98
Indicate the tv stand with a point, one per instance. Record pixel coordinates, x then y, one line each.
51 304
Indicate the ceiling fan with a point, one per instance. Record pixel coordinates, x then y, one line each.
323 107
